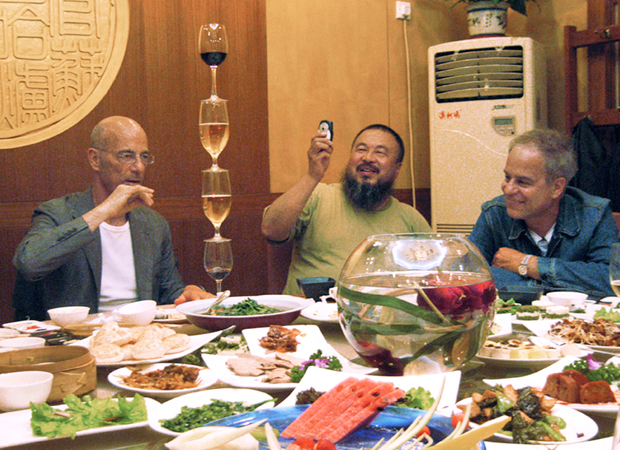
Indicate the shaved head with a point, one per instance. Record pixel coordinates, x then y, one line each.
110 130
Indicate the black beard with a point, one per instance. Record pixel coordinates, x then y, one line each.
365 196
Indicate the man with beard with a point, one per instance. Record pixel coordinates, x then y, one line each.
328 221
105 246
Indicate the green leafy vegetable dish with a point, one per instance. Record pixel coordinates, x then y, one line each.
190 418
612 316
86 413
248 307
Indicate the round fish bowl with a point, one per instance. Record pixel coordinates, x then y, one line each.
416 303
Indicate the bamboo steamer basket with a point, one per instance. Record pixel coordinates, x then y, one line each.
73 367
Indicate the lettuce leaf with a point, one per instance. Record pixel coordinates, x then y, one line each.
85 413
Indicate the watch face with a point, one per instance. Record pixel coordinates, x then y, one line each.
522 270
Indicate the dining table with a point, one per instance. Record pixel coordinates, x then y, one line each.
144 438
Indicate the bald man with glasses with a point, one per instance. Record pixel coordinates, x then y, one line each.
103 247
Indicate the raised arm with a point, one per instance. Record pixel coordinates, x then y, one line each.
281 215
122 200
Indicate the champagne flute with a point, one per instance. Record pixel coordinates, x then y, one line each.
213 126
213 48
216 197
218 260
614 269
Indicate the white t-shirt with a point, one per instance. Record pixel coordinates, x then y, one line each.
543 242
118 275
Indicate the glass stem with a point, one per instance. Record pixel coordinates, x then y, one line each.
218 284
213 82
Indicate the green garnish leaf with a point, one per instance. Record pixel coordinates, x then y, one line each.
86 413
316 359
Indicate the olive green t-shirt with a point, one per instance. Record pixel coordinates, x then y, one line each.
329 228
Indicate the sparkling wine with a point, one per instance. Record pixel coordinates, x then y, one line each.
216 207
615 285
218 273
214 137
213 58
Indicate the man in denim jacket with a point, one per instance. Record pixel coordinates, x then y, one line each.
542 232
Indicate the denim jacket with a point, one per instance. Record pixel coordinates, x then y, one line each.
578 254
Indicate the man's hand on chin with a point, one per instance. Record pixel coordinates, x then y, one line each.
191 293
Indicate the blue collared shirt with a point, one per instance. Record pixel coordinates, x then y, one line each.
578 254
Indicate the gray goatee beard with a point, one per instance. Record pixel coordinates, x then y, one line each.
365 196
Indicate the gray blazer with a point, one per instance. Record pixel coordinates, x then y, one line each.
59 259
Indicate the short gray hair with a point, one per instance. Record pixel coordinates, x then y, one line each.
556 149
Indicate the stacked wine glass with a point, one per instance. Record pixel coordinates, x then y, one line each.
216 193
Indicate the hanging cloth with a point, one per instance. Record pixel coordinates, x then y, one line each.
593 173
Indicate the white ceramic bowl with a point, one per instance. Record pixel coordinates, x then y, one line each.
610 301
68 315
18 389
567 298
138 313
21 343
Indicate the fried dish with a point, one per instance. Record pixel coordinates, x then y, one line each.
170 378
280 339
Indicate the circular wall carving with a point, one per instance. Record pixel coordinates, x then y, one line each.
58 59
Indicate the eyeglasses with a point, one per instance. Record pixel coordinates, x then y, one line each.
130 157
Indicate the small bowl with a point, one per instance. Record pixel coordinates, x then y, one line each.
138 313
68 315
21 343
610 301
567 298
315 287
18 389
524 295
289 305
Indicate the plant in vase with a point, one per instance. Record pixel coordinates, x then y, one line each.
489 17
517 5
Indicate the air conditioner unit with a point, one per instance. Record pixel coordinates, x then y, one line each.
483 92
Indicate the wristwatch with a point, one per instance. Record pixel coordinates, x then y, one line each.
522 269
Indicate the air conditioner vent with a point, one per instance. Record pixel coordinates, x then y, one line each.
479 74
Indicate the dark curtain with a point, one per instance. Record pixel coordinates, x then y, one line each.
599 168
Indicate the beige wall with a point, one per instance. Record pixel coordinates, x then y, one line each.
345 61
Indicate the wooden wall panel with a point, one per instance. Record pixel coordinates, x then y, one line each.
160 84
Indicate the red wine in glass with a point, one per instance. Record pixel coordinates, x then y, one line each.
213 58
213 48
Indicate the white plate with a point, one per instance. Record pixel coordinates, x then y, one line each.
170 310
312 341
172 408
206 378
604 443
322 312
541 328
518 363
579 427
30 326
15 426
195 342
539 379
323 380
503 325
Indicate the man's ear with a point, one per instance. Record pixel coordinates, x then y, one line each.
398 167
93 158
559 186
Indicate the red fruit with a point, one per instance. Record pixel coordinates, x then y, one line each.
425 430
324 444
302 444
458 418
